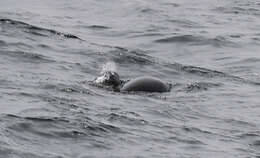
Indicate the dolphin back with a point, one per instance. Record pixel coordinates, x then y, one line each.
146 84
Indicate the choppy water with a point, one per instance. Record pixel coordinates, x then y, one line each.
208 50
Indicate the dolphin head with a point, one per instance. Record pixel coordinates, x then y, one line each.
109 78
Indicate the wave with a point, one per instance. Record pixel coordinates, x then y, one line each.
33 57
113 117
2 43
58 127
125 57
240 10
101 27
185 23
35 30
213 73
68 88
196 40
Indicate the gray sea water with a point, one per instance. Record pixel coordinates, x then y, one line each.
208 50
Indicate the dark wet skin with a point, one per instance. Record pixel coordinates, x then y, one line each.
145 84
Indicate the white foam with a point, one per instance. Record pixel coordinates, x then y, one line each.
109 66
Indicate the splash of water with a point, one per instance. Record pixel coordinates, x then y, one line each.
109 66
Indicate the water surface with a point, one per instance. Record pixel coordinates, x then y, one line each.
50 50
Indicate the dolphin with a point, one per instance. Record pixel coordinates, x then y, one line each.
144 83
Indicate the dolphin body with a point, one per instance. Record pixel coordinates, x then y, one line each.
144 84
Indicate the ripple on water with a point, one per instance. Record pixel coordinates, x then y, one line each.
218 41
34 30
185 23
130 57
239 9
58 128
75 88
2 43
200 86
27 56
98 27
113 117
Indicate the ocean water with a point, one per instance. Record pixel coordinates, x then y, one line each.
50 51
